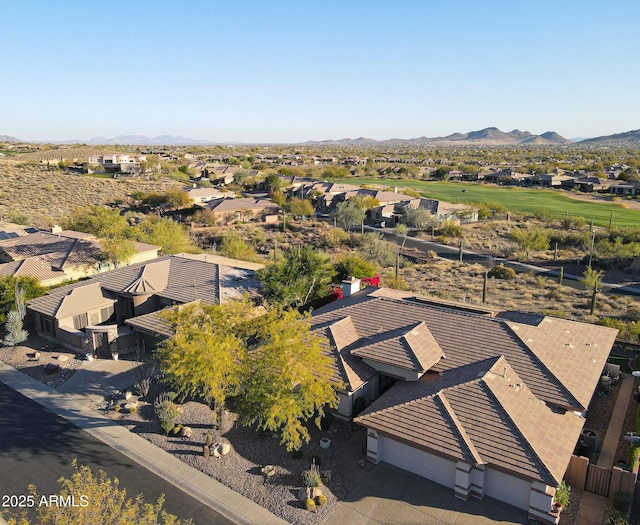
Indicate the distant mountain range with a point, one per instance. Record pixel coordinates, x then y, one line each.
630 138
487 136
7 138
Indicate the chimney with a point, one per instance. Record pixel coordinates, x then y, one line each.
56 229
350 286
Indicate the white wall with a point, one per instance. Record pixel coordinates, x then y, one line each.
421 463
507 488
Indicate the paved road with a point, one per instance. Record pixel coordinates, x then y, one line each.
452 253
37 446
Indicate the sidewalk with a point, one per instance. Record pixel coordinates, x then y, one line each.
73 408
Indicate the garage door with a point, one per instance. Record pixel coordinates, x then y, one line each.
506 488
421 463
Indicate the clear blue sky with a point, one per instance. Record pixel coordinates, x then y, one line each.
290 71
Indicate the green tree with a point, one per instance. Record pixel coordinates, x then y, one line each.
535 239
164 232
117 250
335 172
8 286
235 247
302 276
98 500
353 265
176 199
349 213
102 222
203 357
418 218
592 280
299 207
286 377
272 183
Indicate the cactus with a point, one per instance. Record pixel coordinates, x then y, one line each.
321 500
310 504
206 452
209 439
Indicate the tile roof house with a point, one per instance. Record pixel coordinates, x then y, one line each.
394 213
55 258
484 404
243 209
117 311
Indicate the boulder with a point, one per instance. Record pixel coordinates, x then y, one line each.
304 494
187 432
224 448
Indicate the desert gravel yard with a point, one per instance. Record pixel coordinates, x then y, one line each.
251 450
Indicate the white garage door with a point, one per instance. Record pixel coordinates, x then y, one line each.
506 488
421 463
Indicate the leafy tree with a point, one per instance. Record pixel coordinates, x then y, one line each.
299 207
272 183
104 223
98 500
592 280
118 251
204 355
450 228
418 218
176 199
527 240
349 213
235 247
353 265
286 377
335 172
8 286
302 276
278 197
164 232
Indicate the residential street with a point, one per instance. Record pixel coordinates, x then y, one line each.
37 446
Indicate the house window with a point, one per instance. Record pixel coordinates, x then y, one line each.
47 325
80 321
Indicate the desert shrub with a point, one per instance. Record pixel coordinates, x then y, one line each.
142 386
166 411
117 408
353 265
335 237
450 228
16 333
311 478
502 272
562 494
132 410
617 518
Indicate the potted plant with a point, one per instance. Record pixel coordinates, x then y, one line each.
561 497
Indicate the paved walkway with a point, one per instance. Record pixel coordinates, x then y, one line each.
592 509
612 437
74 408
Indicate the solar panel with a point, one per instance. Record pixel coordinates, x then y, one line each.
12 235
31 230
3 236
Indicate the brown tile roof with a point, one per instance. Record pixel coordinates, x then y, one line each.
480 413
152 323
411 347
347 369
247 203
463 337
574 352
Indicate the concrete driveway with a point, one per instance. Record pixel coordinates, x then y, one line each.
389 495
101 377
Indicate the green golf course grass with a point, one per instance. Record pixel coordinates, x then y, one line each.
518 200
